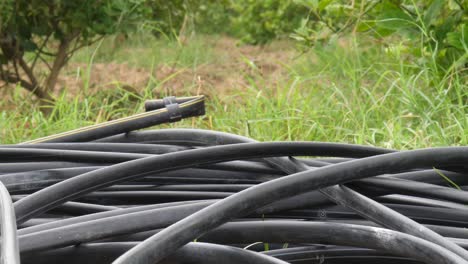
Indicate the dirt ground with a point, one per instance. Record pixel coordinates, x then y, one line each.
234 68
239 66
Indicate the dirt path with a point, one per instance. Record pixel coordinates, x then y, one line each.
234 68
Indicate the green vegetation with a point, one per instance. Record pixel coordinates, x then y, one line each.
431 30
48 33
347 91
385 73
258 22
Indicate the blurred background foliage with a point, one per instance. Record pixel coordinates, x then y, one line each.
383 72
432 32
434 29
426 27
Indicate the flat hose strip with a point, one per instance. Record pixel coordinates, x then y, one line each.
95 195
193 253
9 241
172 112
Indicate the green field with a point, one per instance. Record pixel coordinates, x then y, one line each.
350 90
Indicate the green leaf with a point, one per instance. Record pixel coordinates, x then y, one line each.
432 12
29 45
447 26
383 32
458 40
41 29
364 26
394 18
323 4
3 60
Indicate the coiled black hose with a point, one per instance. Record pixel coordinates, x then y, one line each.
144 197
9 241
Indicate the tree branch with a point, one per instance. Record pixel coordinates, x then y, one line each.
84 45
28 86
25 67
14 79
15 66
60 60
460 4
39 51
45 62
319 18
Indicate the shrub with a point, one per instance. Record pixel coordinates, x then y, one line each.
434 30
258 22
34 32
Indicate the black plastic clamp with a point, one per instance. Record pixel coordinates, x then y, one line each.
173 108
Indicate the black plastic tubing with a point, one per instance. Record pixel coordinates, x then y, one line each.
196 253
193 107
167 241
9 240
75 187
390 241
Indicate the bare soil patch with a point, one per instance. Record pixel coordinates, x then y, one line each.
234 68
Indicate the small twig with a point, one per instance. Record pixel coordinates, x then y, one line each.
45 62
28 71
76 47
15 66
13 79
319 18
409 12
39 51
459 4
360 16
2 72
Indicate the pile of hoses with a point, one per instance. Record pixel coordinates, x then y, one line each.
107 194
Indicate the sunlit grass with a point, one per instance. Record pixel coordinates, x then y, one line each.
353 92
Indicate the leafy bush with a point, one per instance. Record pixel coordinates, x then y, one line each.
215 16
175 18
258 22
170 17
34 32
433 30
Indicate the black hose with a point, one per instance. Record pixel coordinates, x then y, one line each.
66 235
9 240
399 186
172 112
61 192
169 187
193 253
361 204
336 255
171 238
329 233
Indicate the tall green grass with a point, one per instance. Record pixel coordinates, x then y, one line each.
144 50
347 91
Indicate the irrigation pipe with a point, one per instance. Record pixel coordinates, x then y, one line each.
109 194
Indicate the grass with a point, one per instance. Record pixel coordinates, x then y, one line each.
350 90
143 50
